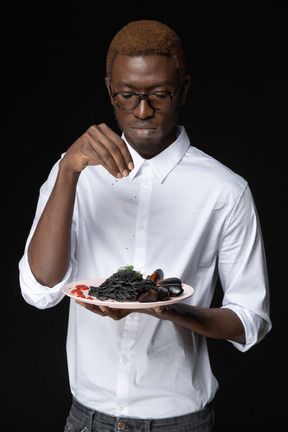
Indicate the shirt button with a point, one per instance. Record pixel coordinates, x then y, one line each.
121 426
120 409
132 315
146 187
125 360
141 227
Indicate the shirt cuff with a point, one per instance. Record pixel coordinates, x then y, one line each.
38 295
255 326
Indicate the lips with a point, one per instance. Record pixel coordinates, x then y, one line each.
142 126
143 131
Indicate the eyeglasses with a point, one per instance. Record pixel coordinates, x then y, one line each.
158 100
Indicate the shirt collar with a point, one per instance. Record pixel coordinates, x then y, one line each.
163 163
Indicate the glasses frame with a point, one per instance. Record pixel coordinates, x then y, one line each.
144 96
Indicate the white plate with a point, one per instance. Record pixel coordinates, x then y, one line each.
67 289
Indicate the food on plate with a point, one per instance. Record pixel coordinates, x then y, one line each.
130 285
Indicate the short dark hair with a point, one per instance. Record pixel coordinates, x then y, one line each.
146 37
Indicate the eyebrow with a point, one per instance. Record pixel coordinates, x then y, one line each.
153 86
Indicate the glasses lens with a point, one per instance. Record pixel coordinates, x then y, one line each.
159 100
129 101
126 100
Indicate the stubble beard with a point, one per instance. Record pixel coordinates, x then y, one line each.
146 146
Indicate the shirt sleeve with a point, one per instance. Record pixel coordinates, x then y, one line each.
32 291
243 270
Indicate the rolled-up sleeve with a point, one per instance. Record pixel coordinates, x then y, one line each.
255 327
243 271
36 294
32 291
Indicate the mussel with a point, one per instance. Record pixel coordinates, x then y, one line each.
175 290
163 293
156 275
172 284
169 281
165 288
148 295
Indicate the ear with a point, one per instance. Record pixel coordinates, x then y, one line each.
184 90
107 82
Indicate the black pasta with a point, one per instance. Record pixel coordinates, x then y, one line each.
124 285
129 285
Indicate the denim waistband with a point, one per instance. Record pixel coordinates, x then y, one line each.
100 421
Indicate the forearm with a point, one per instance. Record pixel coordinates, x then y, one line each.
50 247
218 323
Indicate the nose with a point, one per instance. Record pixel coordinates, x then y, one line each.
143 110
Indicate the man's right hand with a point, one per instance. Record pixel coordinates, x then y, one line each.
50 247
99 145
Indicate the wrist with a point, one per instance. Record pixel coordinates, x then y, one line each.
67 171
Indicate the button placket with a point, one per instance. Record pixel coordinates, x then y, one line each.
143 211
125 365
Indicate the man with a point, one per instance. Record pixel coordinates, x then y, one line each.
151 200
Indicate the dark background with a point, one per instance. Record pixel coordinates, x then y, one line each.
52 85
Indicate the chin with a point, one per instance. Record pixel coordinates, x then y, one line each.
149 147
145 147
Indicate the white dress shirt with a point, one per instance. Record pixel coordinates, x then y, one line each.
181 211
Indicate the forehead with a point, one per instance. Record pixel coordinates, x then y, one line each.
144 71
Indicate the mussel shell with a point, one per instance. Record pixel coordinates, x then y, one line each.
174 289
157 275
147 295
169 281
163 293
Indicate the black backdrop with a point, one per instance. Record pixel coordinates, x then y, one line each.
53 89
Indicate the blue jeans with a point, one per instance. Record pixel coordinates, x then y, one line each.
83 419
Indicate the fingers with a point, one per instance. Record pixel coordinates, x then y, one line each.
99 145
159 309
161 312
91 307
104 311
110 150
